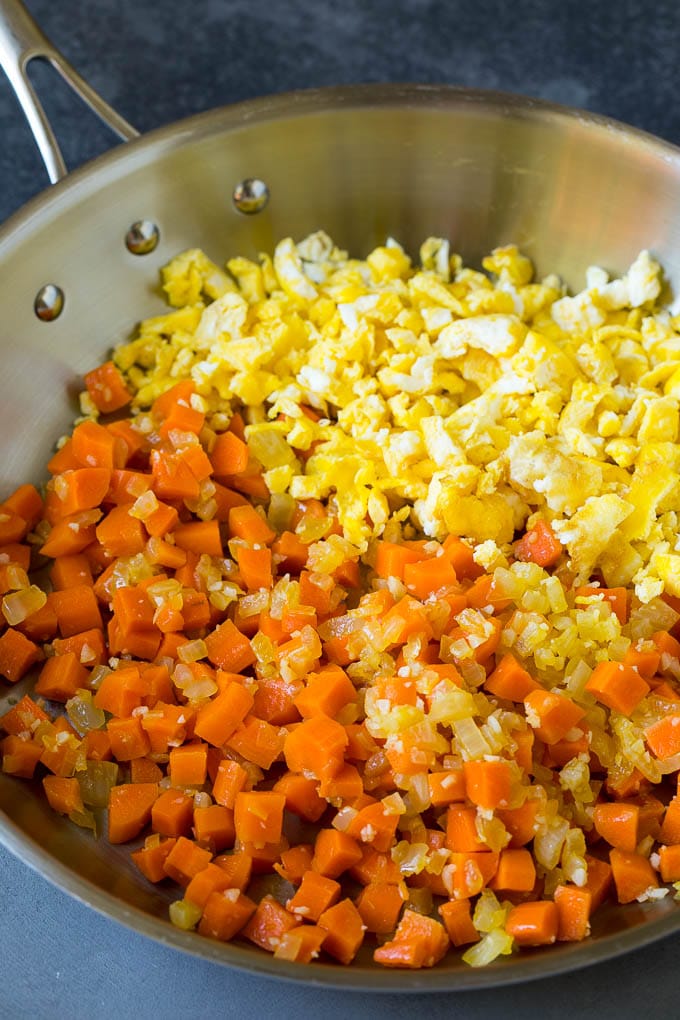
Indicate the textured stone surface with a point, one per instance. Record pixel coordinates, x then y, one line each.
160 61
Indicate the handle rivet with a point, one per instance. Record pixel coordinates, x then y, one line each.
142 237
49 302
251 195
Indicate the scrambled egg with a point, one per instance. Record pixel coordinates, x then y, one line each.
447 400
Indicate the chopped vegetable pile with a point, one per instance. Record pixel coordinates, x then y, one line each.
366 577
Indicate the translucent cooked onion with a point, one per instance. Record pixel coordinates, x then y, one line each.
96 781
496 943
83 714
17 605
184 914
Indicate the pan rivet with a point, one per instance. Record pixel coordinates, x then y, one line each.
142 237
49 302
251 195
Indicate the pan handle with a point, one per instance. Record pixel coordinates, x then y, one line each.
21 41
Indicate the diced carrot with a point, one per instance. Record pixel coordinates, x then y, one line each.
229 781
17 654
334 853
419 941
469 873
521 822
599 880
246 523
165 724
185 860
301 944
379 905
551 715
143 770
107 388
345 785
539 545
425 577
534 923
219 718
617 686
326 692
488 784
20 757
128 739
150 859
407 618
669 863
255 566
27 503
63 794
446 787
225 914
200 537
345 931
663 736
70 572
172 813
257 741
645 660
130 810
229 455
668 647
258 816
457 920
172 478
188 765
302 796
392 557
374 824
71 534
238 867
375 867
461 830
315 894
633 875
461 557
269 923
510 680
97 745
77 610
13 528
214 827
617 599
120 533
316 746
670 827
573 913
16 552
61 677
618 824
229 649
23 717
516 871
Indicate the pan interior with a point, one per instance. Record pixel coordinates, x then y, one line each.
363 164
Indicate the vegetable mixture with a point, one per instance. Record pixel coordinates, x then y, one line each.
365 576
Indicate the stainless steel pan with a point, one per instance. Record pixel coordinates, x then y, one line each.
479 168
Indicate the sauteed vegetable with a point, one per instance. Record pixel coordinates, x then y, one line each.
363 603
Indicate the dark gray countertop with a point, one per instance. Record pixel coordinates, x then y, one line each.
157 62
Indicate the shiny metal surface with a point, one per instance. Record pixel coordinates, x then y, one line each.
250 196
481 169
22 41
142 237
49 303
